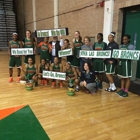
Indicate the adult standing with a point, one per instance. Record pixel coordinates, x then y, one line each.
55 46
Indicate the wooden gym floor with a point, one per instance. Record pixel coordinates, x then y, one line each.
104 116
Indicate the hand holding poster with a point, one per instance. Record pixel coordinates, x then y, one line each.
52 32
54 75
126 54
95 54
22 51
66 52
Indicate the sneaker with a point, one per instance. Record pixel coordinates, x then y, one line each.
77 89
41 82
100 86
123 94
61 84
45 82
119 92
10 79
53 84
18 79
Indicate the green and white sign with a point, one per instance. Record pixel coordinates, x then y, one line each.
126 54
66 52
51 32
22 51
95 54
54 75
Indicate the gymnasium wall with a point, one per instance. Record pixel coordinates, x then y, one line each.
118 15
85 16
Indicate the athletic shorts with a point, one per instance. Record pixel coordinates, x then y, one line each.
14 61
125 68
110 68
99 66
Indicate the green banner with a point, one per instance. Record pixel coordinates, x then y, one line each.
51 32
22 51
95 54
126 54
54 75
66 52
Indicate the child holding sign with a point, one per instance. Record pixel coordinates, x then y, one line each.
111 62
43 66
28 42
98 63
30 72
71 76
77 43
56 66
14 59
45 49
124 68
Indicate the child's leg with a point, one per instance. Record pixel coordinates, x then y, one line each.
111 81
23 78
127 84
35 79
61 83
11 74
123 83
77 85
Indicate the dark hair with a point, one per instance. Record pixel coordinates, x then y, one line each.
101 35
89 65
43 59
67 40
80 38
128 36
87 37
113 33
32 59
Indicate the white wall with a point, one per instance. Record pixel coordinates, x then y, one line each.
108 19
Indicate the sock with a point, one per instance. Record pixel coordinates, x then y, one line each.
110 86
126 90
10 75
77 86
113 86
122 89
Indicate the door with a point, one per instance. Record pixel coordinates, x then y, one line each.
132 27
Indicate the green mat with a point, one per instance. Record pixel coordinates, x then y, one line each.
22 125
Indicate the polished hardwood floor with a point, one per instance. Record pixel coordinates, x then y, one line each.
104 116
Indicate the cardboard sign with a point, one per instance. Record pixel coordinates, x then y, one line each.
95 54
52 32
22 51
66 52
126 54
54 75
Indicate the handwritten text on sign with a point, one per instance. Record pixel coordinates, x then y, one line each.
54 75
126 54
51 32
22 51
65 52
95 54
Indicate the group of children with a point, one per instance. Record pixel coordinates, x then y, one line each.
81 71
